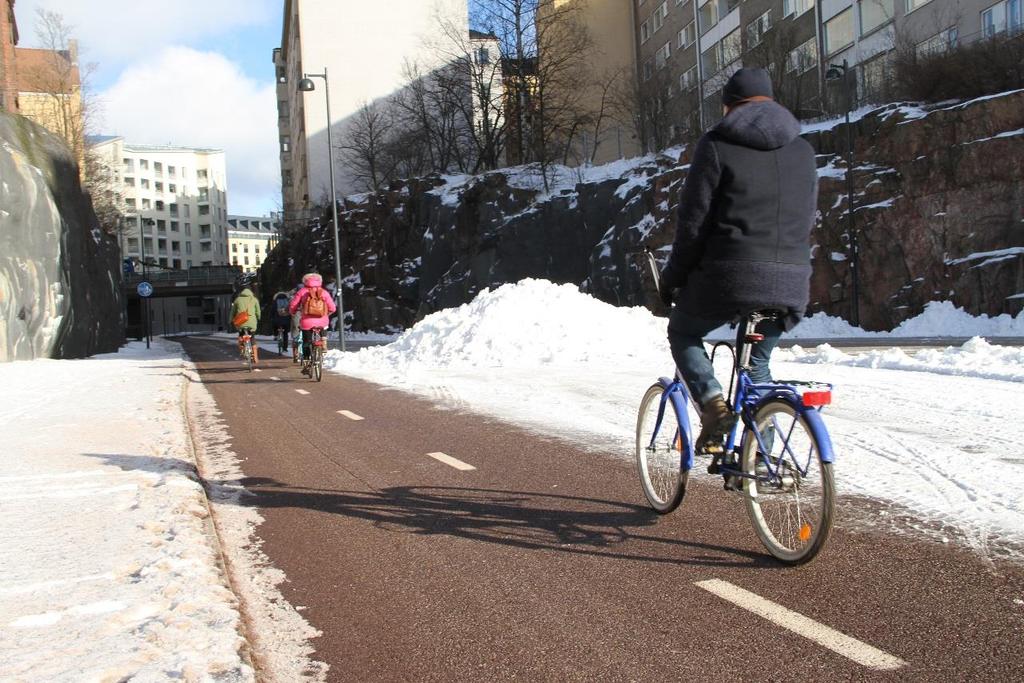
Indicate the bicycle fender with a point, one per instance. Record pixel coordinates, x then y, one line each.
681 402
817 427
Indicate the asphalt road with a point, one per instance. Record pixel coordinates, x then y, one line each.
544 563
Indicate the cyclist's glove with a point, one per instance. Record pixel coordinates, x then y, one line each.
667 295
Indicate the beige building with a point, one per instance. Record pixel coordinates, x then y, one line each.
177 194
611 65
250 239
364 46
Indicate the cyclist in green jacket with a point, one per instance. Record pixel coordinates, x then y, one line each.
247 303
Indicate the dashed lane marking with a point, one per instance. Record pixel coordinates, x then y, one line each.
350 415
302 391
840 643
257 370
275 379
452 462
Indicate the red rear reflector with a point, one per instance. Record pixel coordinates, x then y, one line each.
754 337
318 343
813 399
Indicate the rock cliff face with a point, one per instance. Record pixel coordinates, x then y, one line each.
938 213
59 274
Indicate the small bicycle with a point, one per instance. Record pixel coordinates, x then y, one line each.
781 464
247 353
282 341
315 363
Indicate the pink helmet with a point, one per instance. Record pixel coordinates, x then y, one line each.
312 280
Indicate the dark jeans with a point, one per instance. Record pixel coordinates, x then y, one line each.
307 344
686 338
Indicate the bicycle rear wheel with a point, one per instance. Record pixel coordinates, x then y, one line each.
659 457
318 363
248 355
791 513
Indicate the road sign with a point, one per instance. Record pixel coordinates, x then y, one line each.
144 289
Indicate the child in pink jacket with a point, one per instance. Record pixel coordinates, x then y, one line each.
312 286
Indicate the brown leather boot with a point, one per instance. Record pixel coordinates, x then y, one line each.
255 353
716 420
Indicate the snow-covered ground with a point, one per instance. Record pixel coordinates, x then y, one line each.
938 432
109 567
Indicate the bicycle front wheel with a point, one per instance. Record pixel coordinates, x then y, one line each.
790 497
318 363
659 453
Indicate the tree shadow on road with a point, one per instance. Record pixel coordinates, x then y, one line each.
522 519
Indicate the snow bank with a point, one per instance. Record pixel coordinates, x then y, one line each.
108 570
529 324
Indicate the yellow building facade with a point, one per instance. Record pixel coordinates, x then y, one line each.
250 239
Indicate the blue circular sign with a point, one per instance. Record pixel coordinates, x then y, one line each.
144 289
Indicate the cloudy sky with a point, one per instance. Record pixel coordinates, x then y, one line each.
187 72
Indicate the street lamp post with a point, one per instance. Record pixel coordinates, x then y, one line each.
143 222
836 72
307 85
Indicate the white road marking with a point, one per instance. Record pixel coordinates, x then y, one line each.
350 415
276 379
257 370
840 643
453 462
302 391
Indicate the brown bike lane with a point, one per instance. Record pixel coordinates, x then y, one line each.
544 563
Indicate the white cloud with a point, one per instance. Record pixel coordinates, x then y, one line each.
201 99
116 31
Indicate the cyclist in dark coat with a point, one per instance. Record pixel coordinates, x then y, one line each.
743 237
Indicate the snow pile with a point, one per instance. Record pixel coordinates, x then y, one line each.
976 358
529 324
108 569
939 319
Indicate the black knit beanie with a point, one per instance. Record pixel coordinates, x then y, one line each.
746 83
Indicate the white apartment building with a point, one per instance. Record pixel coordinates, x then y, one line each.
364 46
250 239
179 195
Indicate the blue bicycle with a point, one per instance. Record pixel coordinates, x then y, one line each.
781 464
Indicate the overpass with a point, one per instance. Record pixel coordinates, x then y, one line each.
194 300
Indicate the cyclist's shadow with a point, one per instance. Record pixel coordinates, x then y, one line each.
529 520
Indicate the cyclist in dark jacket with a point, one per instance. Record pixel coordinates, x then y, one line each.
743 237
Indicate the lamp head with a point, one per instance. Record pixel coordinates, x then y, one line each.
306 85
834 72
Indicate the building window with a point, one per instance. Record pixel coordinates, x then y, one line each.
648 69
1003 16
170 171
245 248
128 165
645 31
176 247
659 16
173 208
874 13
146 204
188 228
205 247
133 244
174 226
732 47
798 7
709 61
285 143
234 248
914 4
143 164
939 43
204 210
662 55
839 32
803 58
144 183
159 187
204 232
201 174
158 168
757 28
159 205
129 182
688 79
161 226
483 56
246 259
687 36
188 248
130 203
188 210
708 15
172 188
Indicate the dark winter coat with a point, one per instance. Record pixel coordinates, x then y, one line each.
747 208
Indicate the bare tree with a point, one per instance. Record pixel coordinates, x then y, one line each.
61 100
368 147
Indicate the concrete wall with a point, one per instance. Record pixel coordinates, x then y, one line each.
59 273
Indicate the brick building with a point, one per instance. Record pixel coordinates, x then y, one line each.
8 63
